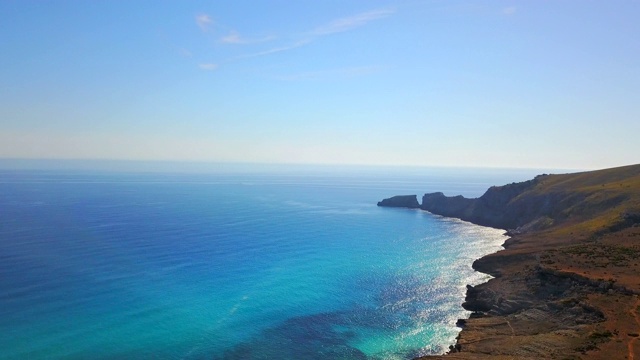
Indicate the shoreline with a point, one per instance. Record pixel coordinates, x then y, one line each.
567 317
460 323
566 284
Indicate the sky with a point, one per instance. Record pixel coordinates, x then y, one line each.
526 84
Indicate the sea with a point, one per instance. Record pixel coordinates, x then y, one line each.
234 262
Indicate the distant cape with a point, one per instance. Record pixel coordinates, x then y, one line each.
536 204
406 201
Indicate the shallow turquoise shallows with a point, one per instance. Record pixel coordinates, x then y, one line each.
250 265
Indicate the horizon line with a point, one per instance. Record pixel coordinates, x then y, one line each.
5 163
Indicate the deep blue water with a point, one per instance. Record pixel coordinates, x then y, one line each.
248 265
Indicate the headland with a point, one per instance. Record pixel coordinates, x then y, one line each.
567 284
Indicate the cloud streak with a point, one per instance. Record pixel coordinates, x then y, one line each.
333 27
351 22
234 38
274 50
339 25
204 22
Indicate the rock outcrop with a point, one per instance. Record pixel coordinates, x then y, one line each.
543 202
406 201
505 207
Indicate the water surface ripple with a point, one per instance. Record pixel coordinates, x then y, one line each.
252 266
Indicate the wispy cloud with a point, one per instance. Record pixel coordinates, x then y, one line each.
335 26
509 10
351 22
274 50
208 66
204 21
234 38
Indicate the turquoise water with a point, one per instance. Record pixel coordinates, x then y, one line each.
281 265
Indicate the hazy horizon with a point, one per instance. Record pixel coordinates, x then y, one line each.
504 84
217 166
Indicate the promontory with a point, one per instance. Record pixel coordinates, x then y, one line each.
567 284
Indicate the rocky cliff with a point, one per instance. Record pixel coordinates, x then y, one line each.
505 207
567 284
407 201
543 202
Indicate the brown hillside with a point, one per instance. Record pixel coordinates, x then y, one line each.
566 286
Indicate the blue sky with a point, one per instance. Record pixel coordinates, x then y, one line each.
541 84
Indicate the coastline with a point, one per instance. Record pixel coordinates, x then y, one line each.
566 284
530 311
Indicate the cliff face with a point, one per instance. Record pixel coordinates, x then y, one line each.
590 198
500 207
567 284
456 206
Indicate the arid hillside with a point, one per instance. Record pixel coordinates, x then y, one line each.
567 284
588 201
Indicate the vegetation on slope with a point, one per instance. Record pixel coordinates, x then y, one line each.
568 281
